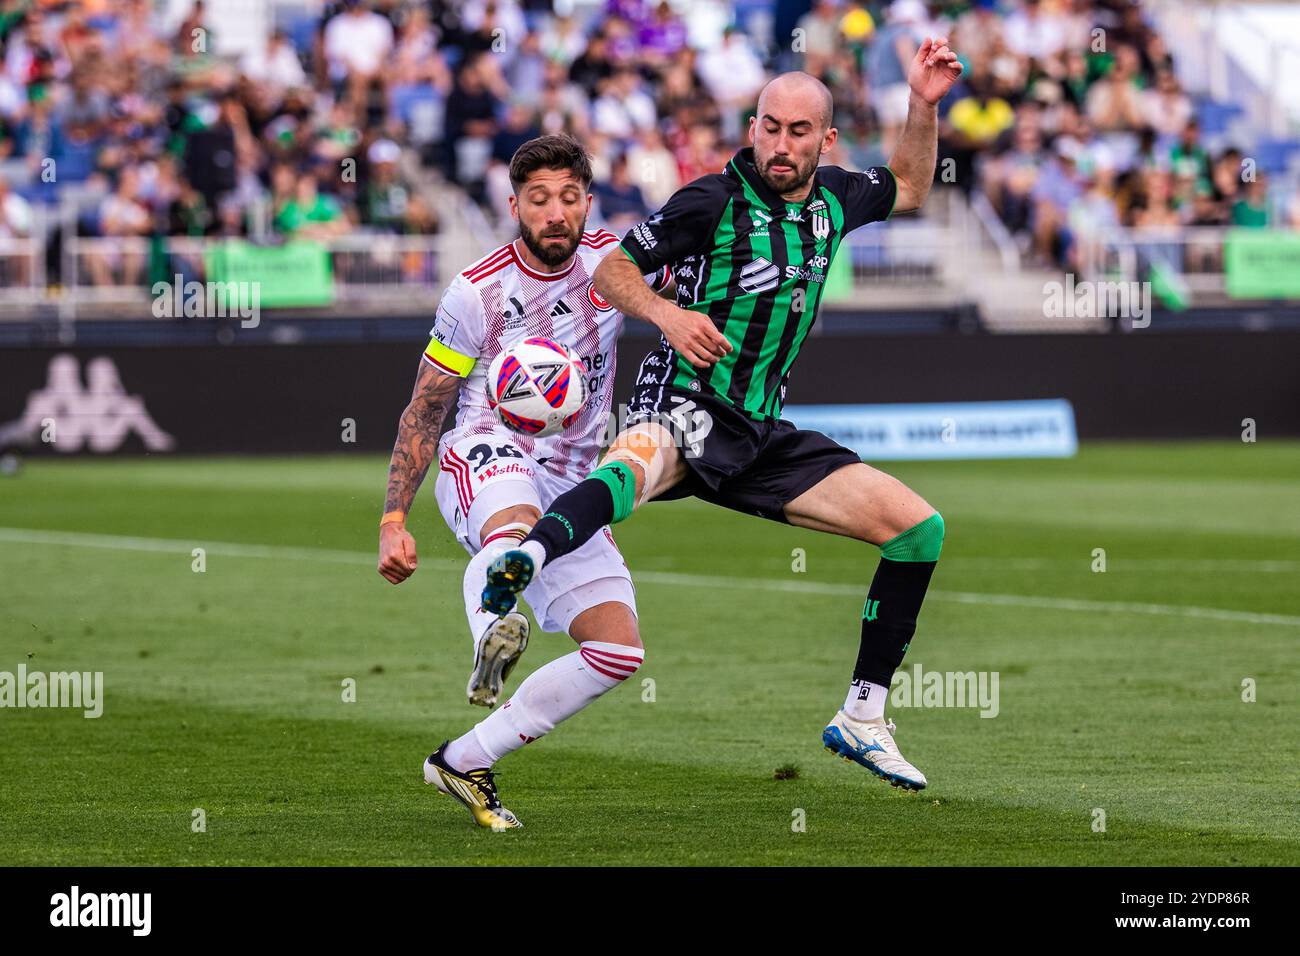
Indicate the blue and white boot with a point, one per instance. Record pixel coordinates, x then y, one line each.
871 744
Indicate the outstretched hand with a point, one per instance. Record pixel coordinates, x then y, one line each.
934 70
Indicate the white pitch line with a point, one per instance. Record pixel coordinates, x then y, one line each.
669 578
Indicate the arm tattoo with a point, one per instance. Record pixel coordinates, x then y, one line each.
417 435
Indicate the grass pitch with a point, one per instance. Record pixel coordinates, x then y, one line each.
1119 691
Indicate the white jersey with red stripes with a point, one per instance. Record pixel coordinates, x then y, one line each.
499 301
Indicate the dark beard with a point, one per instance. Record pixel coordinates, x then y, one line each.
792 182
550 255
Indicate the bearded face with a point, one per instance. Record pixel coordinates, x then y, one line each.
785 172
555 243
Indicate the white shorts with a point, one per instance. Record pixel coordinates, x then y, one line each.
480 475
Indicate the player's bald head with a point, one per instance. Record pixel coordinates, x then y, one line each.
797 95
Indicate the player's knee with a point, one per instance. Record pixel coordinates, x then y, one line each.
515 517
923 541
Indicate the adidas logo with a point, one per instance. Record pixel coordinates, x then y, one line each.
561 308
759 276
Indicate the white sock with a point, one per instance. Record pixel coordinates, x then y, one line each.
550 694
502 539
537 553
866 701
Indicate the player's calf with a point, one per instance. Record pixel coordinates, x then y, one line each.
557 690
642 463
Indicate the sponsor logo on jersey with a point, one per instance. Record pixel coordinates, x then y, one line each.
641 232
444 326
759 276
811 271
598 300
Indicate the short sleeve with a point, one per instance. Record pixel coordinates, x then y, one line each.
683 227
658 281
868 196
457 331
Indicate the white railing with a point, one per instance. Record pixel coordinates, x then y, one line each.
371 273
1192 253
22 269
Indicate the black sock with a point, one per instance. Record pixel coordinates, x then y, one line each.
573 518
889 617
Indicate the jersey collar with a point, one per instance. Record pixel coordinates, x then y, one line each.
742 167
533 273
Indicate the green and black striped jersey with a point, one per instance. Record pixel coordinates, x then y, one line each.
756 265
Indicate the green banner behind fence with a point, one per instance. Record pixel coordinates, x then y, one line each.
294 274
1262 264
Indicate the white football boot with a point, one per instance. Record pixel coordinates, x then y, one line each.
496 651
871 744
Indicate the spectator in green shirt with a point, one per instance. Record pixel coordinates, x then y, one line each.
309 214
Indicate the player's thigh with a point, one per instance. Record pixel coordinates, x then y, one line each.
650 450
485 481
584 579
861 502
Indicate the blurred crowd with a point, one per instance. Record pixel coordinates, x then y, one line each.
1069 117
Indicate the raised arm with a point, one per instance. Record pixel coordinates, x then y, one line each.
418 432
931 75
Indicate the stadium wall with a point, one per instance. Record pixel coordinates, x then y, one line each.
280 398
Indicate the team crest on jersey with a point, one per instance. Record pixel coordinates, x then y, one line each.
598 300
821 225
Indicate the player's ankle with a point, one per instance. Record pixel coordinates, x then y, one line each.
537 551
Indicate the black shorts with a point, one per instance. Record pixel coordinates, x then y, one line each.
735 461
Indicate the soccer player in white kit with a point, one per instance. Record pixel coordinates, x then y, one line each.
493 483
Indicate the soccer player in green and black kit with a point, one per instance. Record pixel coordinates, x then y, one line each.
749 248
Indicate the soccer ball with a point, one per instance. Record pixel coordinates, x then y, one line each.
536 387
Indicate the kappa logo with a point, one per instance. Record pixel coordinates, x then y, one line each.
759 276
99 415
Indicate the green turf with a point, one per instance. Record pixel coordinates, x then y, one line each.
223 688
